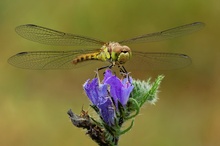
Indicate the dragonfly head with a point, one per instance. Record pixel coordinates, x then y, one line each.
119 54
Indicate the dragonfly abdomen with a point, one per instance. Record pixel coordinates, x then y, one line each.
85 57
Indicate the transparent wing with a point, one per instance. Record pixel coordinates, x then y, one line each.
52 37
157 61
48 59
166 34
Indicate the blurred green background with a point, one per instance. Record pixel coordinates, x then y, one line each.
34 103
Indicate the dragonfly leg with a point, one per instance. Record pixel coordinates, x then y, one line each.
122 69
104 67
101 68
124 73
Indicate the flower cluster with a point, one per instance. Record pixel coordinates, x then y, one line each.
115 101
108 94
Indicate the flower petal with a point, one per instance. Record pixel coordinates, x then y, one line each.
119 90
96 92
107 74
107 111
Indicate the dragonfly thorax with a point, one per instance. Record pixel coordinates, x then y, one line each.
118 54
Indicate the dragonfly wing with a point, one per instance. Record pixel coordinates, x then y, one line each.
44 60
157 61
52 37
166 34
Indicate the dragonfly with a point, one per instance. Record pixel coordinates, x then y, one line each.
115 53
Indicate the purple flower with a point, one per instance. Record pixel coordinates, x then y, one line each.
102 94
119 89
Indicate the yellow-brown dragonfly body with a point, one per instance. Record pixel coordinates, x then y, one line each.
114 52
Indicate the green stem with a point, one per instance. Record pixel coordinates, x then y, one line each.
137 109
126 130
